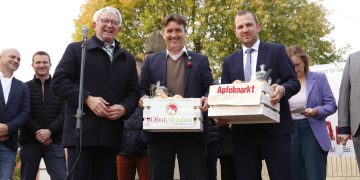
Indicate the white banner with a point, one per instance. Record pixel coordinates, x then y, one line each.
333 73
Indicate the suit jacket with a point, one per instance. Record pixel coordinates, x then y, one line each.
349 96
197 78
115 81
275 57
15 112
320 96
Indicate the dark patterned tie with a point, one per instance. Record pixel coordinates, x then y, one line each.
109 50
247 70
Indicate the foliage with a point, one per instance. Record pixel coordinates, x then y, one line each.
211 25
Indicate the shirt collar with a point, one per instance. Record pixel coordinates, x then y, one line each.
2 75
113 43
182 51
47 78
255 46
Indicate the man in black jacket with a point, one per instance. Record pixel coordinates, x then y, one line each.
41 135
110 96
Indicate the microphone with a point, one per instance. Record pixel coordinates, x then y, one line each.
85 31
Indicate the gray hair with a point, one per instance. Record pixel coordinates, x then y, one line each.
107 9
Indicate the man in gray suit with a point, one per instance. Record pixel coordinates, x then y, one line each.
349 103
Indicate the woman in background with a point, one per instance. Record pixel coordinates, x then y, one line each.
310 141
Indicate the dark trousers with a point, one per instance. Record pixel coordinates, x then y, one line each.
252 145
211 161
227 166
189 151
95 163
308 160
54 158
127 166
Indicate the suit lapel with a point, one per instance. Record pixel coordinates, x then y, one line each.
310 81
163 68
240 61
187 58
2 98
261 56
13 90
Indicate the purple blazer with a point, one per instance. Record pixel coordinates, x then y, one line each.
320 96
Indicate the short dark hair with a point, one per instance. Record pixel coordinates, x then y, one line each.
295 50
243 12
41 53
173 17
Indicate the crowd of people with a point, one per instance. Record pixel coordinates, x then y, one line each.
113 143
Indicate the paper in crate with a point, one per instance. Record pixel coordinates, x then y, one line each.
172 115
243 103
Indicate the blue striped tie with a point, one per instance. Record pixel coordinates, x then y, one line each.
247 70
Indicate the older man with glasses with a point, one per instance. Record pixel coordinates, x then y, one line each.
110 95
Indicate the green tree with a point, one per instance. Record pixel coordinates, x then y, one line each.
211 25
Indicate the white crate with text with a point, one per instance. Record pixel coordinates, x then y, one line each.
243 103
172 115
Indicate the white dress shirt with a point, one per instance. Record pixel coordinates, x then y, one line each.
254 56
176 56
6 86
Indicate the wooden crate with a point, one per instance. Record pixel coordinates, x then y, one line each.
243 103
245 114
172 115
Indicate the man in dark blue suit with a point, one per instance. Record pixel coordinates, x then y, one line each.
14 110
185 73
256 141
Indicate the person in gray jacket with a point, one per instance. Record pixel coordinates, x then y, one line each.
349 103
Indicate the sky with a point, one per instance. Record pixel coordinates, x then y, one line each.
47 25
343 16
30 26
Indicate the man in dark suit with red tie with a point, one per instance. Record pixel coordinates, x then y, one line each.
253 142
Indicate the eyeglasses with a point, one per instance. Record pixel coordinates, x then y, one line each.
107 21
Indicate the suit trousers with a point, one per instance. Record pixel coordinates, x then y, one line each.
308 160
54 158
251 145
189 150
127 166
227 166
211 161
95 163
